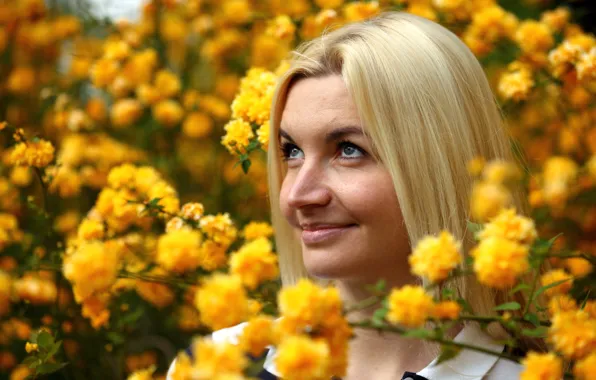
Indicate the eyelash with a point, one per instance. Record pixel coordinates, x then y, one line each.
286 147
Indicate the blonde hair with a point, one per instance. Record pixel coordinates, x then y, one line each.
427 107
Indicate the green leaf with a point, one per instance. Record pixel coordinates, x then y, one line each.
538 332
519 288
447 293
48 368
546 287
465 305
474 228
31 361
245 165
419 333
380 285
45 340
533 319
52 351
508 306
447 353
33 337
115 338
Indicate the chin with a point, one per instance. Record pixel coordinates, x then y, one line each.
329 266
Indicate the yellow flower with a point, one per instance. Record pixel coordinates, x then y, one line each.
103 72
254 263
92 267
197 125
122 176
591 166
263 135
237 11
476 165
499 261
31 347
168 113
179 251
586 67
534 36
553 276
222 301
96 308
500 172
254 98
255 230
116 50
167 83
573 334
214 255
360 10
282 28
143 374
561 303
578 266
168 196
238 136
33 153
488 199
147 94
409 306
21 80
155 293
516 83
556 19
21 176
446 310
585 368
301 358
90 229
257 335
329 3
507 224
126 112
219 228
434 257
539 366
193 211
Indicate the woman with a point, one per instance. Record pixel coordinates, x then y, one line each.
375 123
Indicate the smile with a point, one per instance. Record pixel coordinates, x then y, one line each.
321 234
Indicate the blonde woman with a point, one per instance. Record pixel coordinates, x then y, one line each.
372 128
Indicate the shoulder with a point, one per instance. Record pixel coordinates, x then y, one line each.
504 369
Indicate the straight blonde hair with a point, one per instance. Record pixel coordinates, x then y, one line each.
428 109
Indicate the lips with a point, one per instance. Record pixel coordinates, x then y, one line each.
323 233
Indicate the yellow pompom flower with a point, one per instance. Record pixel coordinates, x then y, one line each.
91 268
499 261
585 368
179 251
409 306
539 366
257 335
103 72
125 112
33 153
167 83
254 98
197 125
168 113
222 301
254 263
488 199
507 224
516 83
435 256
301 358
578 266
31 347
192 211
143 374
21 80
90 229
554 276
255 230
219 228
446 310
573 334
218 359
329 4
238 136
561 303
360 10
263 135
534 36
500 172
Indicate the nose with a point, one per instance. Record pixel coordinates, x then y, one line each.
309 188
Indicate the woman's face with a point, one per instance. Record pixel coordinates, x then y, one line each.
340 201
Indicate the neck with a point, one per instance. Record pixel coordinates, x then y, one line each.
380 355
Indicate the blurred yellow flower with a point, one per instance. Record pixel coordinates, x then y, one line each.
167 83
301 358
144 374
219 228
31 347
237 137
488 199
255 230
157 294
561 303
585 368
197 125
538 366
254 263
21 176
92 267
573 334
33 153
516 83
103 72
578 266
360 10
435 256
168 113
507 224
90 229
409 306
192 211
222 301
126 112
329 3
257 335
499 261
116 50
446 310
179 251
553 276
534 36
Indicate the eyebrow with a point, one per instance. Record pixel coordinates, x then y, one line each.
334 135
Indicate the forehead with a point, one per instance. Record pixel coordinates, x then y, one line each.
318 101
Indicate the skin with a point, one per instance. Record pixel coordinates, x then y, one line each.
335 188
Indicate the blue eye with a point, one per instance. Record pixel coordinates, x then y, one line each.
349 150
290 151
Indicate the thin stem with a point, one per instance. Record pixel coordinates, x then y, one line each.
477 318
531 296
44 189
368 302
